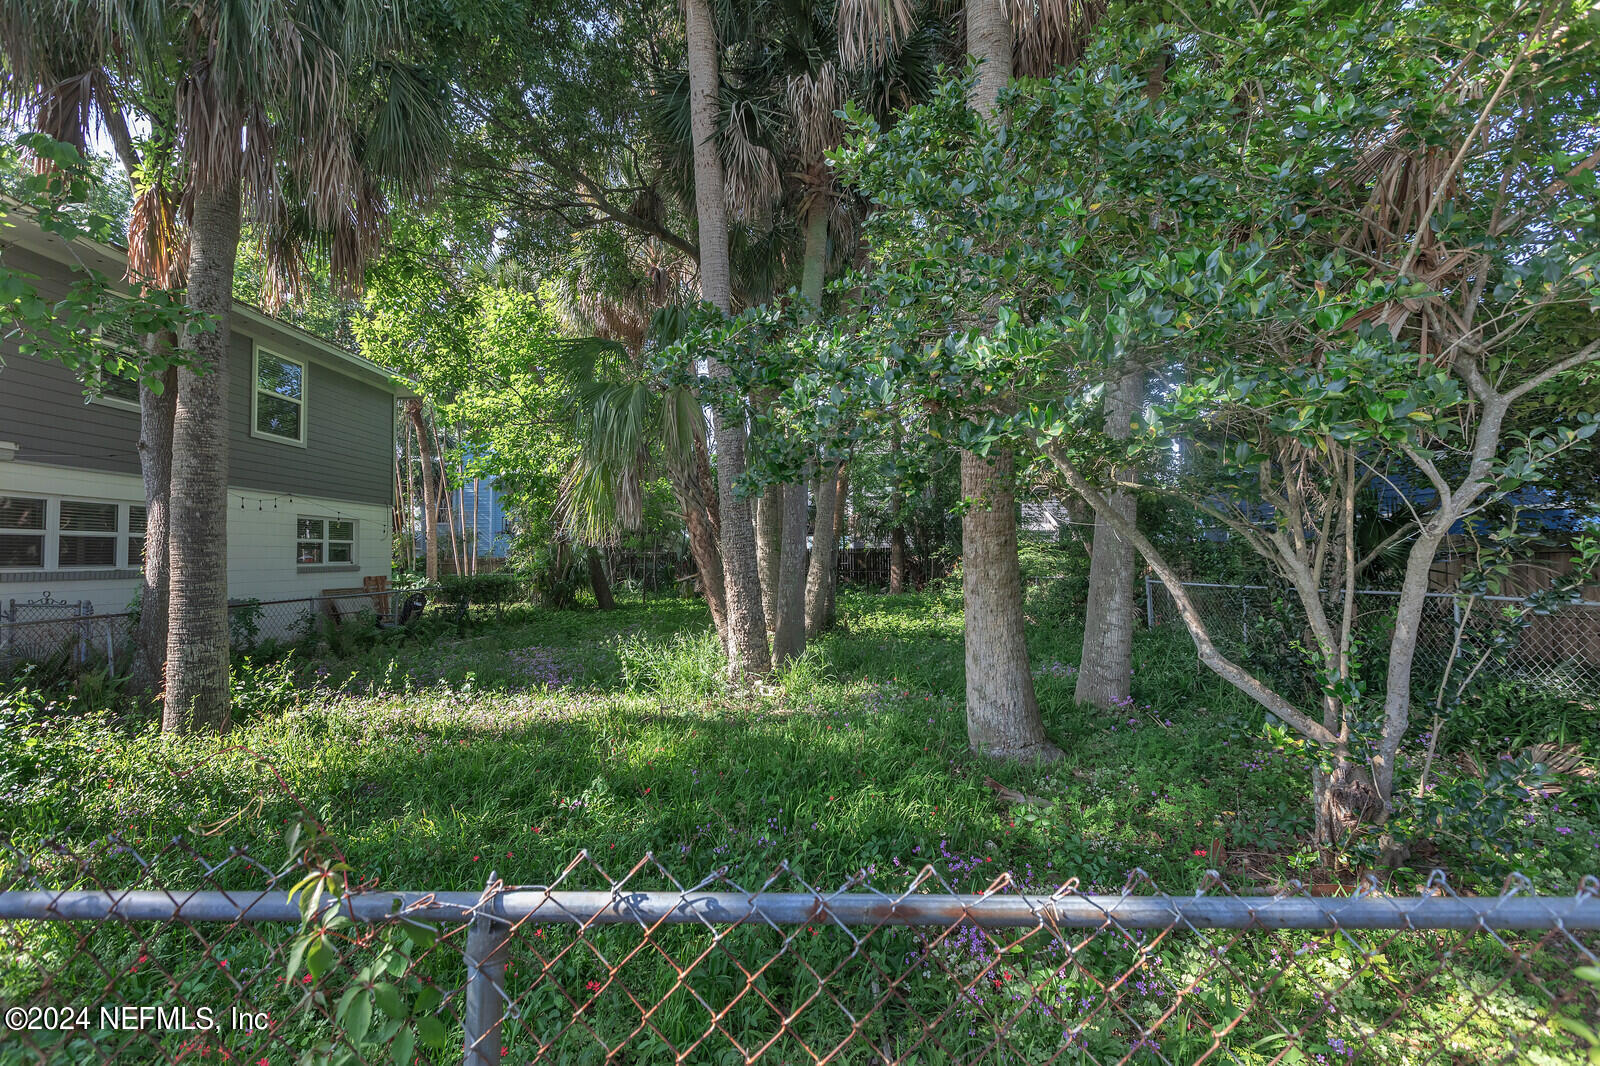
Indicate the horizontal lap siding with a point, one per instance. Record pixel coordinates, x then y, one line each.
42 406
349 449
261 542
42 409
349 452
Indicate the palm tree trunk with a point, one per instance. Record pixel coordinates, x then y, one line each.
1105 670
790 629
1002 711
1105 674
747 629
430 503
155 464
197 625
598 582
989 41
694 498
769 549
823 560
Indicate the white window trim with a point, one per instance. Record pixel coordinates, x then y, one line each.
255 396
47 555
118 536
98 382
354 562
109 401
53 533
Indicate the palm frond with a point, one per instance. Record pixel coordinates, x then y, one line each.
1051 33
871 31
813 99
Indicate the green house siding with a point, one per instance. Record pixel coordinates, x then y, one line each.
349 421
349 432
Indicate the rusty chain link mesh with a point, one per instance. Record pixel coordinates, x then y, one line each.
1558 653
783 971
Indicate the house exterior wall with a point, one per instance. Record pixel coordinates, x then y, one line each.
56 445
348 451
489 534
261 542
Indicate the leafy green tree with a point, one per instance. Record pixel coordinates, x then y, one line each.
1365 272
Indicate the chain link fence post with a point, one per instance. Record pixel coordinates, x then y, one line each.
483 1009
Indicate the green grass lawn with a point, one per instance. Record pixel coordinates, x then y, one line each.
513 747
520 744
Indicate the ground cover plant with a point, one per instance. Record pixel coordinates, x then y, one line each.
432 762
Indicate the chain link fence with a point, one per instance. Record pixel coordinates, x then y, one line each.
193 950
1558 652
73 637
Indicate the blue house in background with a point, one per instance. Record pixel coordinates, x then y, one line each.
492 535
1540 507
478 510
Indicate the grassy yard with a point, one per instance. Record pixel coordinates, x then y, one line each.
515 746
518 745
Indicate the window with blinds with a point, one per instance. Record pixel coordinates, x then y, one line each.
45 533
21 532
88 534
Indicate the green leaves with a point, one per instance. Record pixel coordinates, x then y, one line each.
77 328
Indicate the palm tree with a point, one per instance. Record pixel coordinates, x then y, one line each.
280 103
1030 38
1105 669
747 630
629 293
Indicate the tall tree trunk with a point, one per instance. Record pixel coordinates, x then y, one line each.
430 499
477 488
1105 673
769 550
1002 712
197 624
598 582
989 41
695 498
747 628
450 524
439 442
789 640
897 559
897 532
792 625
155 464
823 560
841 505
411 499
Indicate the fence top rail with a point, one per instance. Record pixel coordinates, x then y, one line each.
620 906
1150 580
99 619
